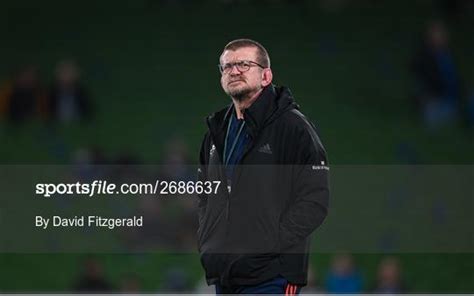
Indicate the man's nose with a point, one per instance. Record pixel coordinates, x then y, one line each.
234 70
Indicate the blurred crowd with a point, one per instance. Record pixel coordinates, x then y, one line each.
25 97
342 276
441 96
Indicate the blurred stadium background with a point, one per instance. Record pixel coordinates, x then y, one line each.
148 77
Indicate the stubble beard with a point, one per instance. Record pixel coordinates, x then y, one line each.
241 94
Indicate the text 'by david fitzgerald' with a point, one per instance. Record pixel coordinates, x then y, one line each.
44 222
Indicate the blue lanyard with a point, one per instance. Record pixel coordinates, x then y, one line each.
227 158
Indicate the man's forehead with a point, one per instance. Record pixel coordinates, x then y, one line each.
243 53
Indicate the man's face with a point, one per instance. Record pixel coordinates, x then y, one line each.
237 84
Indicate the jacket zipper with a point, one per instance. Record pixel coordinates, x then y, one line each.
248 147
236 175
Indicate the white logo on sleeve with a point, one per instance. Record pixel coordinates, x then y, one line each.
320 167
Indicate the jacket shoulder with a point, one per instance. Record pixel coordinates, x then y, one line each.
303 131
295 120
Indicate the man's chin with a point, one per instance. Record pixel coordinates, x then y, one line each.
238 94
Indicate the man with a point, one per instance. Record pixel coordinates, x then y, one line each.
253 233
438 95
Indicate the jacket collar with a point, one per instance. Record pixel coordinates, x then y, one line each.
217 121
262 109
255 116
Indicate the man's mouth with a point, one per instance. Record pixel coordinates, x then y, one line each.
235 81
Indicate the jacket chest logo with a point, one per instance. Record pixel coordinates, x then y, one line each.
265 149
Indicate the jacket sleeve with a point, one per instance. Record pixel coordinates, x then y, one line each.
310 176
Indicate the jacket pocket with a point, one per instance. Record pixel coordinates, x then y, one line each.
214 264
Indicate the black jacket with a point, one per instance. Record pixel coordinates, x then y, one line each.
259 228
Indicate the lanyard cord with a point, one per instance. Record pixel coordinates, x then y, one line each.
227 158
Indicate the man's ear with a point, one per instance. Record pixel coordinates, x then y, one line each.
267 77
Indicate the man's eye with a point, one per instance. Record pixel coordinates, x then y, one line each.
242 64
